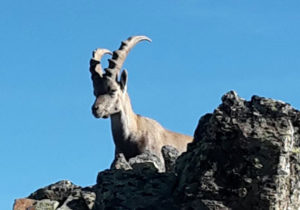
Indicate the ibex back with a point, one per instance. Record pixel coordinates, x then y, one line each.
132 133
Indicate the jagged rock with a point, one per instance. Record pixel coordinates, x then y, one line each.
170 155
45 204
245 156
30 204
141 188
120 162
146 159
74 202
68 195
59 191
89 196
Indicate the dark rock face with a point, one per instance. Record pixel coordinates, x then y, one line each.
137 183
140 188
245 155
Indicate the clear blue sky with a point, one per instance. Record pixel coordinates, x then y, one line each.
200 50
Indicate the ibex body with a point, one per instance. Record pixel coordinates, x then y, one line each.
132 133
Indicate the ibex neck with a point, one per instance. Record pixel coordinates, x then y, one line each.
123 124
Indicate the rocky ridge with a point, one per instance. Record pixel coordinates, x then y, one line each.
245 155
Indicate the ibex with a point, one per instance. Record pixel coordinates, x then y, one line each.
132 133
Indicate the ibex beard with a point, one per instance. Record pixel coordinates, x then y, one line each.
132 133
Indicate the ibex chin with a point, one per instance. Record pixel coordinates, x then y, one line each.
132 133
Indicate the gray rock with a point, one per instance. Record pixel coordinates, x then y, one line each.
170 155
45 204
68 196
139 188
120 162
74 201
147 159
245 156
89 196
59 191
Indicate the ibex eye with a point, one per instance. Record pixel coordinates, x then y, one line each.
109 89
112 92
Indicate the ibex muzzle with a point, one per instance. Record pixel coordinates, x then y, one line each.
132 133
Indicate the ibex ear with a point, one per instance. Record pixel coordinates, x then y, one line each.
123 80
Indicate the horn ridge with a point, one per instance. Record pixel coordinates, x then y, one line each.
95 63
96 68
119 56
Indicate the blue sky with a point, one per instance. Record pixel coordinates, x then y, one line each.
200 50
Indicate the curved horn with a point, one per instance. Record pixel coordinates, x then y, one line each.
119 56
95 65
96 69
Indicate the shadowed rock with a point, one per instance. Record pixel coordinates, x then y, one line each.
245 156
170 155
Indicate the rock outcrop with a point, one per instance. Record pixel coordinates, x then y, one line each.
245 155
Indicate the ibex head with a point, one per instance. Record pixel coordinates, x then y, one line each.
110 92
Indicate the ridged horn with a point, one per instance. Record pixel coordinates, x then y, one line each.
95 66
119 56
